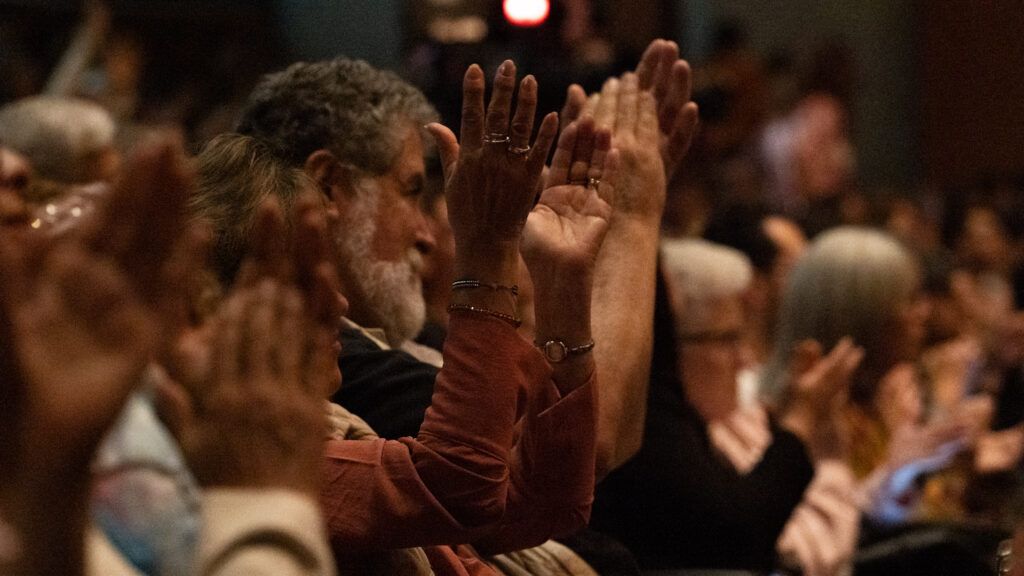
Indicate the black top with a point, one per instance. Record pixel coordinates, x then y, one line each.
678 504
389 389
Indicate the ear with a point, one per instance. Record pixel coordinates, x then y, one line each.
332 180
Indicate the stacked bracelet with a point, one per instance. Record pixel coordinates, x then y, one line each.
501 315
468 284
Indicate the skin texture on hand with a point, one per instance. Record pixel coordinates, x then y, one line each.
562 238
652 123
247 405
489 188
817 394
82 314
490 182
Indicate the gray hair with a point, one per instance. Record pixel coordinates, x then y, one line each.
701 272
235 174
851 282
59 136
345 106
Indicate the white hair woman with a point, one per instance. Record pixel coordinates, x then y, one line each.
707 283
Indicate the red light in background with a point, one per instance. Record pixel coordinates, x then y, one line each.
527 12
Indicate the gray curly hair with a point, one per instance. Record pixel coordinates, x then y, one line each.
342 105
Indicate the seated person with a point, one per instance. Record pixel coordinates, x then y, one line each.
500 483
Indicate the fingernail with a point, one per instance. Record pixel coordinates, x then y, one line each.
505 67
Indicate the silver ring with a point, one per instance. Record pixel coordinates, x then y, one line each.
519 150
594 183
496 138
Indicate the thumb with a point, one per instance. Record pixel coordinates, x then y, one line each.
447 146
173 407
805 355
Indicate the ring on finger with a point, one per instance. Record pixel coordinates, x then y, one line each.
519 150
496 138
594 183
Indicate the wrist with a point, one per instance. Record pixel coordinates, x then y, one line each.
493 264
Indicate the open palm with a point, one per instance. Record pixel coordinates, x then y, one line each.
568 224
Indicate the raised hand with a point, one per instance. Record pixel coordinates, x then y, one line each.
563 237
80 324
631 116
491 172
257 422
817 392
662 72
249 412
669 80
566 228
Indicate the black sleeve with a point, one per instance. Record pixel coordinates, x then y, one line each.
389 389
678 504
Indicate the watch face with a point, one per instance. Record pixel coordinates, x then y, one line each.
555 351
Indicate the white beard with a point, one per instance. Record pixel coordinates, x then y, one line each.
393 291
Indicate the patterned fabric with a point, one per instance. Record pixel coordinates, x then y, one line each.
144 499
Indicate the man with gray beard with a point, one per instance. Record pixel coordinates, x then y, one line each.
358 132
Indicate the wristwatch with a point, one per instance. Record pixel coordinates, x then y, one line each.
556 350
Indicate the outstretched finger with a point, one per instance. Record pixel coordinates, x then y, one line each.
647 120
575 101
561 162
609 177
583 152
602 146
472 133
447 146
627 114
260 338
668 56
607 105
268 254
228 342
498 111
538 155
679 89
648 65
522 122
143 217
290 349
680 138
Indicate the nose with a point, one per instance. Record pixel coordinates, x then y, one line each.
424 239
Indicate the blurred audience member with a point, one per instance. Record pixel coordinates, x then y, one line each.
65 140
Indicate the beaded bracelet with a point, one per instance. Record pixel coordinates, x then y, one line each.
500 315
468 284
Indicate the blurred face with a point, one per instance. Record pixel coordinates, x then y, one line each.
382 237
15 172
910 325
712 352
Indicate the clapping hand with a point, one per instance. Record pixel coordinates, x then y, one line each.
247 406
492 171
81 317
564 232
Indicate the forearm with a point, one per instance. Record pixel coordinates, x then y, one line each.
562 308
623 304
452 480
552 471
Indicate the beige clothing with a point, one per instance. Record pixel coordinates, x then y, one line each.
548 559
246 532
